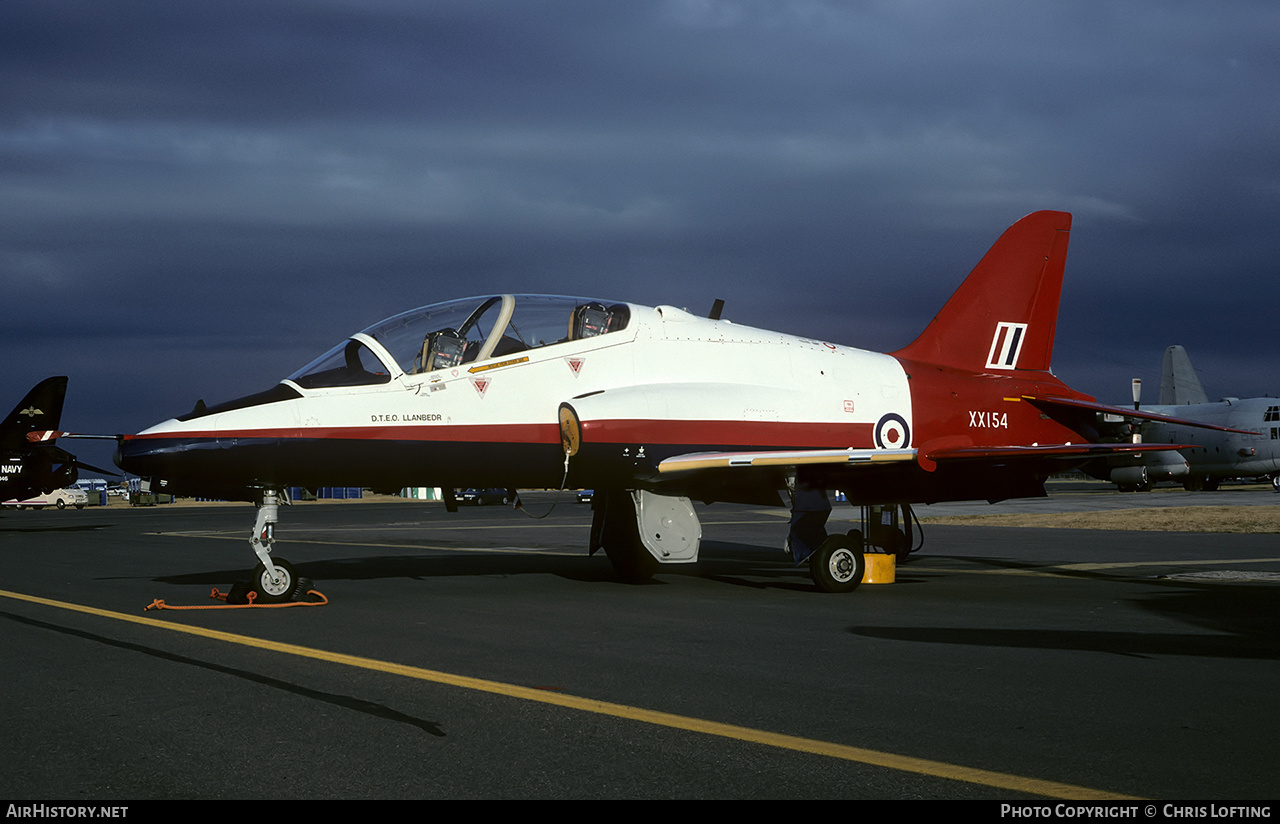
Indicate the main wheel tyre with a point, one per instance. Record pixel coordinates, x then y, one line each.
621 540
837 565
274 591
632 562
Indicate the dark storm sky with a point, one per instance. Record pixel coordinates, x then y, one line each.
198 198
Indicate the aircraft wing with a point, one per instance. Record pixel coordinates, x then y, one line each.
698 461
46 436
1106 409
44 439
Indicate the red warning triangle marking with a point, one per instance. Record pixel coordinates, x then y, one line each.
575 365
481 384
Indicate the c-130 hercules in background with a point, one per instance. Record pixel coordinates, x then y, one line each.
1247 445
653 407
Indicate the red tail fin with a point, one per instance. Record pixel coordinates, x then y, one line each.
1004 314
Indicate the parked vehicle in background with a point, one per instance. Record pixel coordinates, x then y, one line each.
480 497
61 498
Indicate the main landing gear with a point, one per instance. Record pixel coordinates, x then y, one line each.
614 529
274 580
637 529
838 564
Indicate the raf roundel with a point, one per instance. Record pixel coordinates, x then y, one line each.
892 432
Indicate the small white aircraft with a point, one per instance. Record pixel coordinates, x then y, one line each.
653 406
1244 442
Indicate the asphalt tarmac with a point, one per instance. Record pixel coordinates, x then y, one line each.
484 655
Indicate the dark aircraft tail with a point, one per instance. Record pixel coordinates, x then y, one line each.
40 410
28 468
1004 315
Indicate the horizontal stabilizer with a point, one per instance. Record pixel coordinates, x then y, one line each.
1105 409
44 436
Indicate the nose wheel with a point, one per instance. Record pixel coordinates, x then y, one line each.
278 585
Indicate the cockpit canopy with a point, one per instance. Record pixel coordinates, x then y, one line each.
446 335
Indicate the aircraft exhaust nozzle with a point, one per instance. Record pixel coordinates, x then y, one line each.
1135 475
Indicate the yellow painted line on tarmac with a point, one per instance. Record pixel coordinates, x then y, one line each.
859 755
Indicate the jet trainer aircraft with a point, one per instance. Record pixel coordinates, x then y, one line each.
1245 444
33 465
653 407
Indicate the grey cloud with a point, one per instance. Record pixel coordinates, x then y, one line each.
222 191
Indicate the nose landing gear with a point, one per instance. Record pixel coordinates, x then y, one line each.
274 580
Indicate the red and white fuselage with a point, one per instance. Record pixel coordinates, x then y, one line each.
492 391
666 383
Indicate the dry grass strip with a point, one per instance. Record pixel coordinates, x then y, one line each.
1161 519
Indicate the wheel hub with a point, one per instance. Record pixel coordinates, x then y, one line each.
842 565
278 585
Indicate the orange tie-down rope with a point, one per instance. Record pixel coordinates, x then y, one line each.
252 596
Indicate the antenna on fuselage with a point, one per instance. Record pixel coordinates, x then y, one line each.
716 309
1137 404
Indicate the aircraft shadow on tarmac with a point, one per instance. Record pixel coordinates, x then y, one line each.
59 528
344 701
1243 618
725 563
